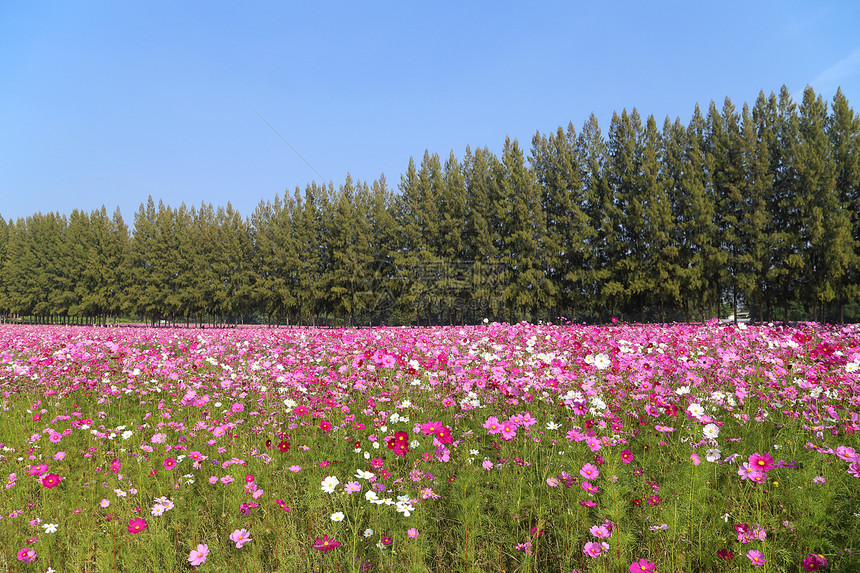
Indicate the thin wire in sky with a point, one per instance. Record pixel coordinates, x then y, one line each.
322 179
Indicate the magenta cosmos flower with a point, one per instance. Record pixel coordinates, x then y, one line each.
814 562
325 544
169 464
198 556
51 480
642 566
761 462
26 555
136 525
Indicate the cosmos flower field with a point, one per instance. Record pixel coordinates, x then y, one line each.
515 448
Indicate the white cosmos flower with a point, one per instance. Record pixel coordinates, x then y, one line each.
329 483
50 527
713 455
711 431
368 533
405 508
361 474
695 410
337 516
601 361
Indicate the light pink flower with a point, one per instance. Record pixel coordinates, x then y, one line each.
240 537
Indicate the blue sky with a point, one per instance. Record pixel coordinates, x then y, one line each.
106 103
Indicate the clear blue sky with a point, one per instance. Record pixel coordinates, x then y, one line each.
105 103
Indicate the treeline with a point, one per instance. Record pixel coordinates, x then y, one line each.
756 207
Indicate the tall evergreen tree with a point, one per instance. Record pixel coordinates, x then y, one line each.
523 234
844 133
727 181
660 276
594 270
482 232
826 242
4 280
754 225
788 263
558 164
624 218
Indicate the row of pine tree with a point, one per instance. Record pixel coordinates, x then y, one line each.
756 207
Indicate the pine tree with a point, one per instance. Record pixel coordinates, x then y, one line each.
382 290
309 225
450 249
788 263
143 292
660 278
676 173
523 234
588 278
558 164
826 243
20 263
624 219
844 133
708 258
726 177
482 232
348 242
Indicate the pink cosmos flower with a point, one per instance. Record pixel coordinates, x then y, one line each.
26 555
198 556
508 430
595 549
593 443
847 454
642 566
300 410
492 425
430 428
240 537
600 531
38 470
746 471
589 487
589 471
352 487
169 464
413 533
757 557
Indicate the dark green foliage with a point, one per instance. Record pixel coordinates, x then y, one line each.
755 208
